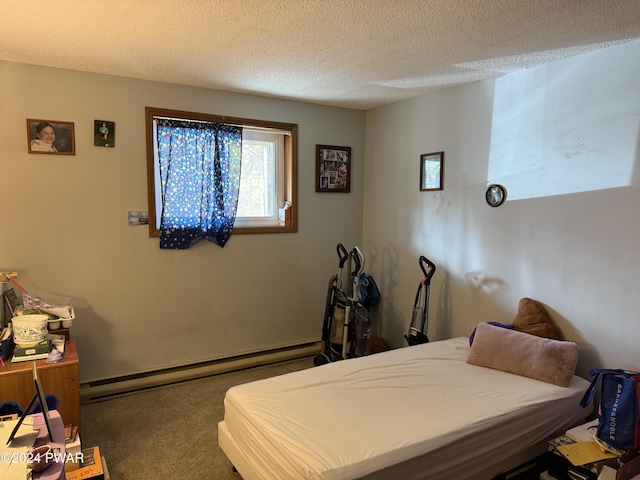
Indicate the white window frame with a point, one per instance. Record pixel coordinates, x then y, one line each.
277 139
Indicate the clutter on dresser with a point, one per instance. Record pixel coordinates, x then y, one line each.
32 326
57 308
39 315
50 347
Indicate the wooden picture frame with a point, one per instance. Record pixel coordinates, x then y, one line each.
431 171
51 137
333 169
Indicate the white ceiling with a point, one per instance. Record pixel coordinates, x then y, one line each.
350 53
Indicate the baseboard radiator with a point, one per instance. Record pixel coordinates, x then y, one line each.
118 386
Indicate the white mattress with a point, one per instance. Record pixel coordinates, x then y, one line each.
421 409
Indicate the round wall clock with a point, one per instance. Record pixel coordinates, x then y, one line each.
496 195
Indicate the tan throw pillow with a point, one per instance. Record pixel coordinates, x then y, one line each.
552 361
533 318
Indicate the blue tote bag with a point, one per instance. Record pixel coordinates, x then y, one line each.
618 412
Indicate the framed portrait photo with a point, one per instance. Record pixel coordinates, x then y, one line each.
50 137
431 171
333 169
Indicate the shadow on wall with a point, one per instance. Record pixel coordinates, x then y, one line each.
94 334
587 355
444 320
478 302
388 320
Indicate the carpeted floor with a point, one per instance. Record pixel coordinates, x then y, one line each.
170 432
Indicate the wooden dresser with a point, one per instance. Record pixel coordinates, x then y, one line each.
60 379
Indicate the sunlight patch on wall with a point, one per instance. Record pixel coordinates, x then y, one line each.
566 127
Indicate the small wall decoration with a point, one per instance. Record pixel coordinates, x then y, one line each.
495 195
333 169
104 133
51 136
137 217
431 171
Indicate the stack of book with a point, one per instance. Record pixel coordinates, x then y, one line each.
39 351
92 466
23 354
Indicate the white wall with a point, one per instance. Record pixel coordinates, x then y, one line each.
138 308
577 253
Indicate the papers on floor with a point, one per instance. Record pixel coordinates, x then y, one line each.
578 445
581 453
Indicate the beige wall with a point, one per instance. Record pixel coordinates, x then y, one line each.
139 308
577 253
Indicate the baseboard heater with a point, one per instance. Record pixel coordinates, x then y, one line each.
101 390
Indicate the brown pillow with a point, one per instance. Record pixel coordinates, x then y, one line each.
552 361
533 318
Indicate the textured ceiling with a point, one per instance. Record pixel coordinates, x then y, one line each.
350 53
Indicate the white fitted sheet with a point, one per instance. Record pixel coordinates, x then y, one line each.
421 410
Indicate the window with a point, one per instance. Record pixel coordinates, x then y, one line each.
262 173
268 177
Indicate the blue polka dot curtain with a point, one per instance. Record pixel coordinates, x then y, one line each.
199 164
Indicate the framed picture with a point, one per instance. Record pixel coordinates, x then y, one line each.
51 137
138 218
104 133
431 171
333 169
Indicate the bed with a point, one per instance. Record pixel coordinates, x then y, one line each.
420 412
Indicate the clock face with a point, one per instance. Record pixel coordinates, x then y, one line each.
495 195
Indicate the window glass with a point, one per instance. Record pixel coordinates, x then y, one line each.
260 181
